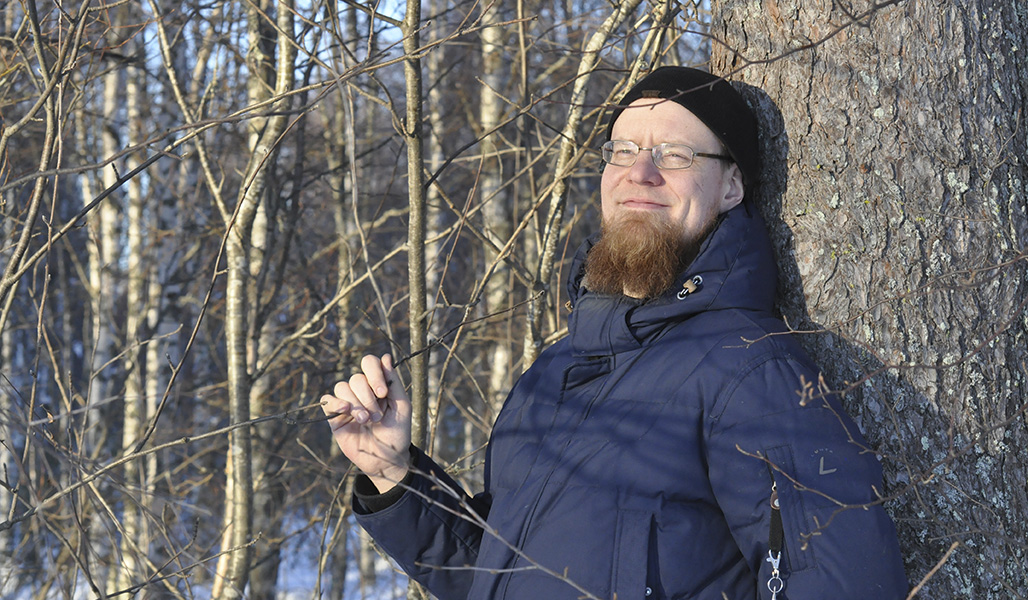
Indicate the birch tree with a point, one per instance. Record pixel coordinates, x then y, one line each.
272 80
497 211
133 543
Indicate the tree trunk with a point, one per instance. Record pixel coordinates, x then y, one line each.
895 190
105 286
417 316
9 472
265 135
412 132
267 493
435 64
133 548
496 211
267 489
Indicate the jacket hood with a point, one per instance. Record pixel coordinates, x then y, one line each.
735 269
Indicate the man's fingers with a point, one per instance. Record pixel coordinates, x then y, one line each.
333 404
337 411
366 395
367 407
391 379
342 391
358 398
375 370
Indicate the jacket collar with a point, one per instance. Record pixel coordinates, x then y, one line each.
736 268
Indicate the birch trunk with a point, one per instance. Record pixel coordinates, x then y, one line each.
104 289
895 193
434 66
9 472
133 543
103 255
267 494
496 212
8 469
266 133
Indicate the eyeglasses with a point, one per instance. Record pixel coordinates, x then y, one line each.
669 157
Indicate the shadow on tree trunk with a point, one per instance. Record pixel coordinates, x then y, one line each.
950 488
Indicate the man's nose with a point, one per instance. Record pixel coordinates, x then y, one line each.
644 170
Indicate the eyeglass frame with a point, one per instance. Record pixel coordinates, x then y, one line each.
607 150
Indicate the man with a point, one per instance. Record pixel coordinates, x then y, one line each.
671 445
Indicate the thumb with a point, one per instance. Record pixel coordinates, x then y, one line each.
396 389
397 394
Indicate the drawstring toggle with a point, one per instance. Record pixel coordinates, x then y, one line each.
690 286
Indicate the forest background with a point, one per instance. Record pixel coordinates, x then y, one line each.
210 211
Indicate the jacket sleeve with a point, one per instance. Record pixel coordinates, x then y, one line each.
432 531
773 428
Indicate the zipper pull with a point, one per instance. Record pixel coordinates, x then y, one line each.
775 583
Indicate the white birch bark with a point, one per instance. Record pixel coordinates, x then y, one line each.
103 256
434 64
133 543
496 212
9 472
104 289
266 133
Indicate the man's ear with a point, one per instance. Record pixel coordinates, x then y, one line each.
734 190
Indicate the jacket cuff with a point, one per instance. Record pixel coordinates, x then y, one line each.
367 497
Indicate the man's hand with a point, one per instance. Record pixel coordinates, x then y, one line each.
370 418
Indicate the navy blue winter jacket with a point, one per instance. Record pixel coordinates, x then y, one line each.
636 458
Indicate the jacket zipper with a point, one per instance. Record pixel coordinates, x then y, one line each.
776 540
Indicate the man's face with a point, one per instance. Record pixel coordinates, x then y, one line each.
689 199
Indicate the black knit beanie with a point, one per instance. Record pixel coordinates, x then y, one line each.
715 102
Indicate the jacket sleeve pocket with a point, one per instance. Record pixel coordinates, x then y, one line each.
799 556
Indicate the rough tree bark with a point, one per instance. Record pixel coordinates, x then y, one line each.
896 194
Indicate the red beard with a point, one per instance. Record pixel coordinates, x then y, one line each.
640 255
